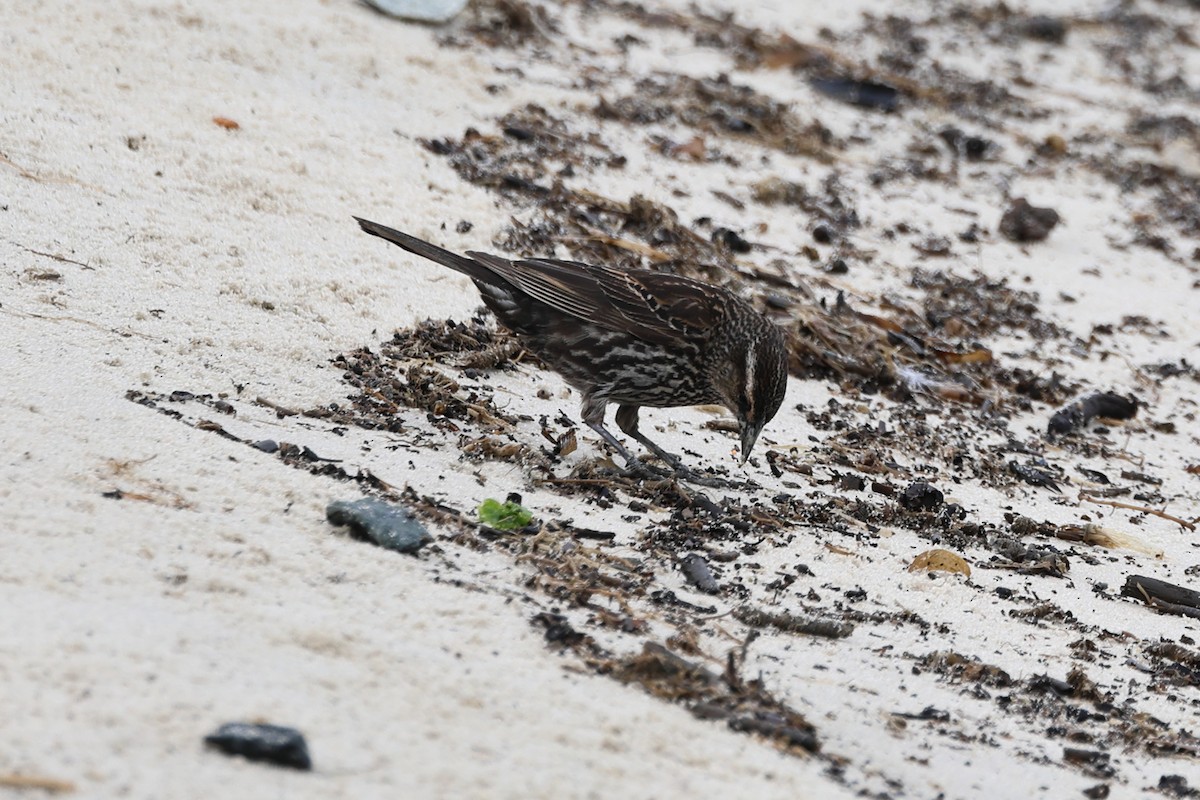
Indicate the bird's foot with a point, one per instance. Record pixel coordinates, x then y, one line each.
670 459
711 481
683 473
637 468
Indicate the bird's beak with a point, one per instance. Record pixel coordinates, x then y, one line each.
749 437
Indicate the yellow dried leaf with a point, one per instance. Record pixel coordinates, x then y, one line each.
940 561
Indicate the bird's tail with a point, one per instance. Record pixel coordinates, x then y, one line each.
412 244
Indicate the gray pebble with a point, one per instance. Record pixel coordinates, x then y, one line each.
380 523
261 742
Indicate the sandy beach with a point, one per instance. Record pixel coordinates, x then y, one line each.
182 277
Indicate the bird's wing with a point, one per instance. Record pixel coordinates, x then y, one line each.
654 306
563 285
665 301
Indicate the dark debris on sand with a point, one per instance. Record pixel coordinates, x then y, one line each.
938 346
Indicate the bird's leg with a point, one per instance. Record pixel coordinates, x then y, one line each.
593 415
632 462
627 421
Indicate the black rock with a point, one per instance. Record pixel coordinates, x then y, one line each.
864 94
1109 405
973 148
1045 28
1025 223
731 239
921 496
380 523
275 744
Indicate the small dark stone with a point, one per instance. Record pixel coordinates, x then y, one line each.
823 234
731 239
697 572
1045 28
275 744
852 483
864 94
558 629
973 148
1176 786
464 226
1025 223
266 445
520 134
921 496
952 136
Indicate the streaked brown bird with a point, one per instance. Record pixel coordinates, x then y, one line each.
630 336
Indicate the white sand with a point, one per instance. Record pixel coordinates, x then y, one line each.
197 258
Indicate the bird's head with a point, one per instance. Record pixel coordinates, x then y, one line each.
753 381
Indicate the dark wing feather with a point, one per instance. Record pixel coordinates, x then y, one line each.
675 303
427 250
653 306
566 287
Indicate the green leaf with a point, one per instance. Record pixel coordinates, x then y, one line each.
506 516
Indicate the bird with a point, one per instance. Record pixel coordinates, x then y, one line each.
633 337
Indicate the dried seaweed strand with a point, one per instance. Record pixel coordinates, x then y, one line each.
1183 523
